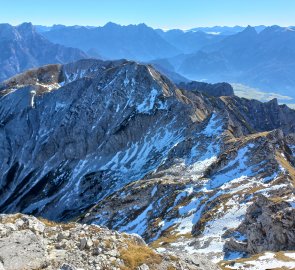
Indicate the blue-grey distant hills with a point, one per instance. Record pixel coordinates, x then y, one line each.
190 41
264 60
113 41
225 30
259 57
23 48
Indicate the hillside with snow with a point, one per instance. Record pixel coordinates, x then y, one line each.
117 144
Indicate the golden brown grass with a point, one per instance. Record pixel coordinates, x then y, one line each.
286 165
164 240
247 138
49 223
136 255
108 244
167 237
12 218
282 257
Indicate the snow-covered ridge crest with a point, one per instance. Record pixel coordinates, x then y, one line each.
53 77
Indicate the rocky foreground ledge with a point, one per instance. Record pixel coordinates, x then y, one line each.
30 243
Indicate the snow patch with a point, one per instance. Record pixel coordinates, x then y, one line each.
33 94
154 191
148 103
139 224
236 168
266 261
214 126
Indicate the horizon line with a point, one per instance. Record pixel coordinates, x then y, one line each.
136 24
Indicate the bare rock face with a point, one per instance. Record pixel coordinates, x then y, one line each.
216 90
258 116
28 243
268 226
21 250
109 124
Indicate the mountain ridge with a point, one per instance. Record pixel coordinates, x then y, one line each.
135 42
116 143
23 48
263 60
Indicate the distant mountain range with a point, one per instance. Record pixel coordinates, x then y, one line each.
225 30
260 57
114 41
264 60
23 48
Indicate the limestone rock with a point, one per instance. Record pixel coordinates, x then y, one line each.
66 266
28 248
22 250
1 266
267 226
143 267
216 90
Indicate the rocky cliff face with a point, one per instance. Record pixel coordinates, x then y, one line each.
29 243
115 143
216 90
23 48
85 132
268 226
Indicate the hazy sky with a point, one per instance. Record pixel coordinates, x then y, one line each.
165 14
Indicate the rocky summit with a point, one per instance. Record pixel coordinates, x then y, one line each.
117 144
29 243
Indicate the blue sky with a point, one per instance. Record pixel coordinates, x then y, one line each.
164 14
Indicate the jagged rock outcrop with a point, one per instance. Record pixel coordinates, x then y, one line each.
28 243
116 143
258 116
23 48
216 89
268 226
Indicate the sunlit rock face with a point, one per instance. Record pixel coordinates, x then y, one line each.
115 143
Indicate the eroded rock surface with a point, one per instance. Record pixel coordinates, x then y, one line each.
28 243
216 90
268 226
